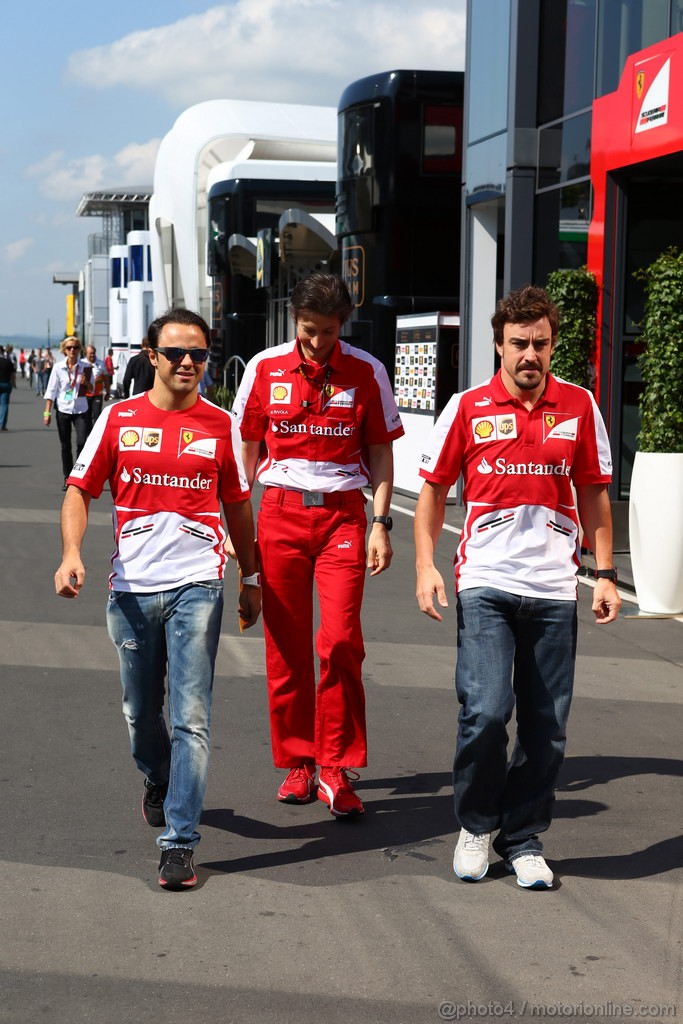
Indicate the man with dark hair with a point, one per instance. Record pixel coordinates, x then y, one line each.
171 459
139 372
520 441
317 418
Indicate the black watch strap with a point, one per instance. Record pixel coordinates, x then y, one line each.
384 520
606 574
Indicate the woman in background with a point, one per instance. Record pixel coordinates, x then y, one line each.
67 389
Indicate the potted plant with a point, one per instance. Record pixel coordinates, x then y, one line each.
575 293
656 501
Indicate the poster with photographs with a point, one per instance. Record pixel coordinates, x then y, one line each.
415 370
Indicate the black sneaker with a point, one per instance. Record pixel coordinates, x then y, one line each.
153 804
176 868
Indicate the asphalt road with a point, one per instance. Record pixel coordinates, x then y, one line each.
298 918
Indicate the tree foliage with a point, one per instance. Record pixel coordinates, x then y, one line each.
575 293
661 362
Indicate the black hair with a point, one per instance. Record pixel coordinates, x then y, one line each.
322 294
177 316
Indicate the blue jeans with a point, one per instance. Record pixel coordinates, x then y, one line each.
170 633
512 652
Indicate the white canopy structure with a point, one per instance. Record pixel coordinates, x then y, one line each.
265 138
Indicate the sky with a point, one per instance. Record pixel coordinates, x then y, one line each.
89 90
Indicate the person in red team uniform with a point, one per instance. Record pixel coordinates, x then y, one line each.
317 418
520 441
171 460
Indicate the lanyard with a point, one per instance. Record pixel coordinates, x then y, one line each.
322 387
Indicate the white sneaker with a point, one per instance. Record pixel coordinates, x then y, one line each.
471 857
532 871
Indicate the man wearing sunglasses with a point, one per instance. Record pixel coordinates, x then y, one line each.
171 459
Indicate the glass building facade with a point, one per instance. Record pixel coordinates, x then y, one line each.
534 69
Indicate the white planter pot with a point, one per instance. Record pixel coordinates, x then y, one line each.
656 532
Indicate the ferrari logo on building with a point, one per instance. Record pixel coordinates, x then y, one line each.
640 83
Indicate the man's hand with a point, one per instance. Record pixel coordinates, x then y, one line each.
430 582
229 549
606 602
70 577
380 551
250 605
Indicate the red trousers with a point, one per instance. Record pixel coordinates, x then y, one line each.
299 546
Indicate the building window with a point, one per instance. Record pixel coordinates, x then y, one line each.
564 151
441 143
561 225
676 17
566 71
488 33
137 270
624 27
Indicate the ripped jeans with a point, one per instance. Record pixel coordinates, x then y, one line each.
174 634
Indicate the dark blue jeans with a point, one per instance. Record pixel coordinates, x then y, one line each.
513 652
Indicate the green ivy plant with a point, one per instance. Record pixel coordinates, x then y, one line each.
219 395
575 293
661 362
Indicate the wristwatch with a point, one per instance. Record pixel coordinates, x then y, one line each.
384 520
251 581
606 574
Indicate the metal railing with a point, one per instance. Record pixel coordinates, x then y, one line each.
235 363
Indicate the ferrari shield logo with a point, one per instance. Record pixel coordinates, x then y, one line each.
640 83
549 421
187 436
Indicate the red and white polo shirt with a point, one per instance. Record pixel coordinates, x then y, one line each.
317 422
168 473
521 524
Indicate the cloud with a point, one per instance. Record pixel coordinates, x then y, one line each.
135 163
62 179
15 250
297 51
67 179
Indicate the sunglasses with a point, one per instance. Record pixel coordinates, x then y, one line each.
72 348
176 355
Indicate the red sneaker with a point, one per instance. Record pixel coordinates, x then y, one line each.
299 785
335 789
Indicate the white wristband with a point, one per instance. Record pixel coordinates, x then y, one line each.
252 581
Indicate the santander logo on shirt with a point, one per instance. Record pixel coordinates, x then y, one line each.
138 476
315 429
501 467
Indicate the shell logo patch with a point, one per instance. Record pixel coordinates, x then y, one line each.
129 439
484 430
281 393
494 428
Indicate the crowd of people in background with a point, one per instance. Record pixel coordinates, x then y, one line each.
75 384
